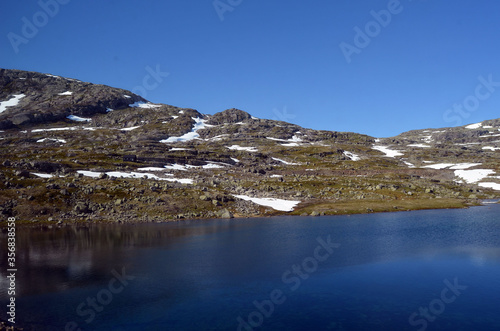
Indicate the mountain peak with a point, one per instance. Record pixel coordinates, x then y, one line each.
232 115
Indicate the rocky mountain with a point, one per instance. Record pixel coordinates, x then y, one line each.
74 151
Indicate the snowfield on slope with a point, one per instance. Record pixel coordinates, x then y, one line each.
473 176
138 175
352 156
14 101
241 148
278 204
387 151
199 124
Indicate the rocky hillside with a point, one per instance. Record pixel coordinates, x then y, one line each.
74 151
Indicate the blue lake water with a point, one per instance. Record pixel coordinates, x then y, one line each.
423 270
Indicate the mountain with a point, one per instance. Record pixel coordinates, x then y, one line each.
75 151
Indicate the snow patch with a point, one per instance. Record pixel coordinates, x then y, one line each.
241 148
474 126
66 93
462 166
285 162
494 186
42 175
352 156
212 166
410 165
154 169
439 165
491 148
144 105
78 118
199 124
51 139
452 166
473 176
131 128
419 145
278 204
387 151
235 160
14 101
134 175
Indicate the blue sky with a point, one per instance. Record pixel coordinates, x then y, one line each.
416 63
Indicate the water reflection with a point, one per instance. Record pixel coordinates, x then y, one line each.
203 274
59 258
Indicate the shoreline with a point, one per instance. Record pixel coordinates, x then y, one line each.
302 212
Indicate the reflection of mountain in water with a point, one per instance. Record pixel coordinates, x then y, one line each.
60 258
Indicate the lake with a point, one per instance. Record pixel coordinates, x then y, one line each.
421 270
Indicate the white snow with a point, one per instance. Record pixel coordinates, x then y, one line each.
154 169
352 156
285 162
14 101
127 96
410 165
174 117
199 124
134 175
66 93
294 139
278 204
241 148
474 126
462 166
473 176
439 165
492 148
491 135
218 138
276 139
276 176
388 152
427 139
179 149
181 111
177 167
130 128
49 75
52 139
43 175
453 166
494 186
235 160
212 166
290 145
145 105
188 166
420 145
108 110
78 118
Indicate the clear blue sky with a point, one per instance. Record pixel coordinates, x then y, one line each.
277 59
